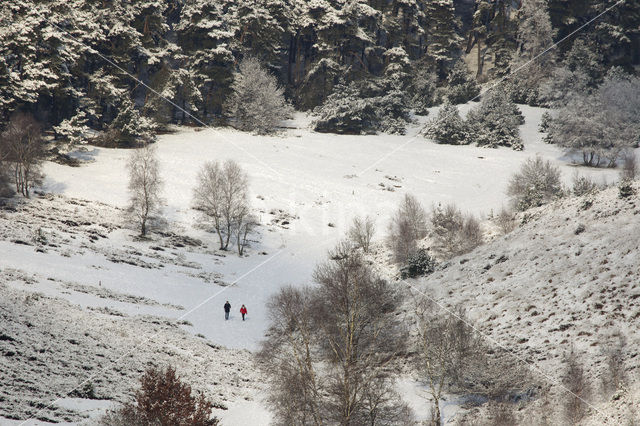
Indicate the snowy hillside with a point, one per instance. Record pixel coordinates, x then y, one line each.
567 277
73 247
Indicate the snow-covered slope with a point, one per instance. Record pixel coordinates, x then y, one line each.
567 277
73 245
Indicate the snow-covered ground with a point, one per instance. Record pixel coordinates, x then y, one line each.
318 179
306 187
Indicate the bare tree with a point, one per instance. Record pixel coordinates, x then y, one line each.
506 221
445 344
290 358
629 167
329 350
145 186
221 194
22 147
243 226
407 226
362 231
615 375
5 175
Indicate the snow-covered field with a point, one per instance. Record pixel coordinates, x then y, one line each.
306 187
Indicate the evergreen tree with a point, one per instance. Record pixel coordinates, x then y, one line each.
129 127
534 36
448 127
495 121
443 39
461 86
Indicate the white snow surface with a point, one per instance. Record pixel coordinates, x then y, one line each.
305 187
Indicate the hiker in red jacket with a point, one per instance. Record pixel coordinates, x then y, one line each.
243 311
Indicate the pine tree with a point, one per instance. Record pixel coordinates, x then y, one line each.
495 121
129 127
534 36
461 86
443 34
448 127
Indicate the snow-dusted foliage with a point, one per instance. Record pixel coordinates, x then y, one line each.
603 125
461 85
363 109
533 61
418 264
537 183
257 103
74 130
145 186
129 127
443 34
495 121
423 90
452 232
448 127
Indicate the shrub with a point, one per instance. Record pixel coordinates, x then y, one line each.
506 221
495 122
537 183
419 263
423 89
582 185
362 231
163 400
448 127
575 381
454 233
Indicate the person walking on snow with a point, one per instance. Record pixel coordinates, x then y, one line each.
227 309
243 311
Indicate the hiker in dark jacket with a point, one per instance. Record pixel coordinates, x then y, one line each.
227 309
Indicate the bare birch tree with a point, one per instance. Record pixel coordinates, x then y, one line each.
22 147
290 358
445 344
329 350
407 227
145 186
221 194
362 231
